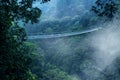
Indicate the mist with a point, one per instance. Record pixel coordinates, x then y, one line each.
88 56
59 16
57 9
106 44
60 40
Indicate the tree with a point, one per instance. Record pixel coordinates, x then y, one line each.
56 74
15 56
106 8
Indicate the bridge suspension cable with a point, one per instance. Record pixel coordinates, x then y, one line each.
33 37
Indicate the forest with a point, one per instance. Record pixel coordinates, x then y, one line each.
93 54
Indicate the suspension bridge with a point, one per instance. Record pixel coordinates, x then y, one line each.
37 36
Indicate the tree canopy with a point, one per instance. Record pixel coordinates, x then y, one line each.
15 55
106 8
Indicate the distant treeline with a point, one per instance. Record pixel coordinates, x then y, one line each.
66 24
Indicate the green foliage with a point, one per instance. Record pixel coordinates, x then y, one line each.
15 54
72 55
37 63
43 1
56 74
19 10
44 70
15 57
71 60
106 8
65 25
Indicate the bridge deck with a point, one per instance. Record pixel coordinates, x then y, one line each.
32 37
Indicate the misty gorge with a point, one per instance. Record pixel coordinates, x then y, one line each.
59 40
